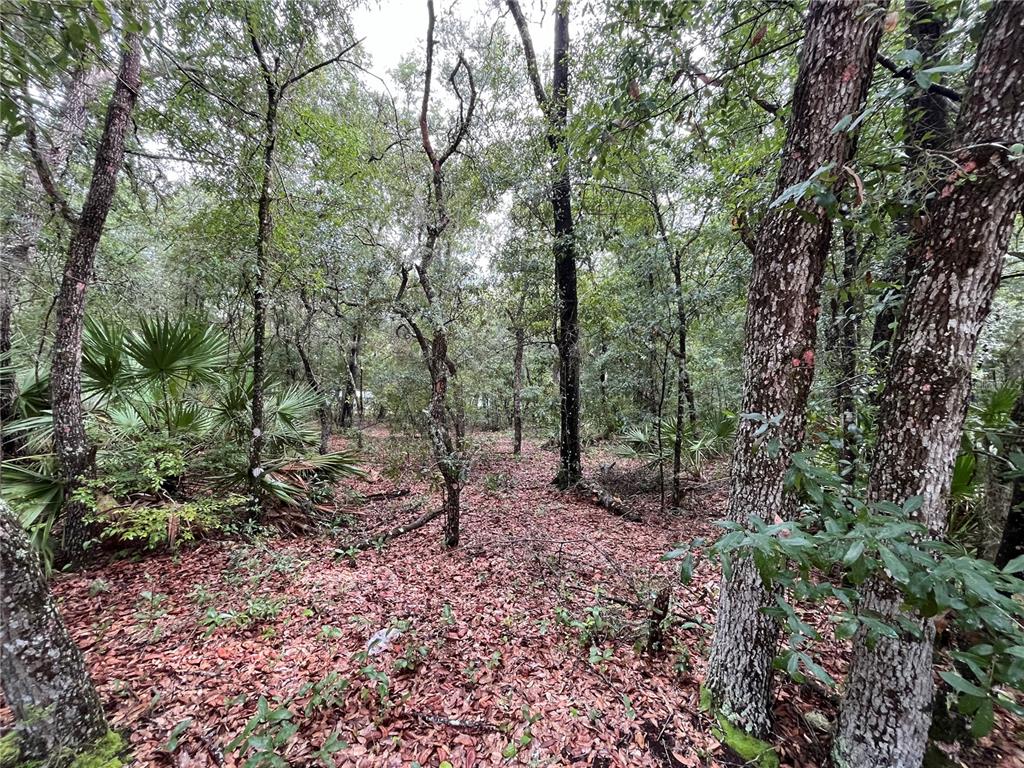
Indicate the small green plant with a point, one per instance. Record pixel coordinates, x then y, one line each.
326 693
265 736
411 658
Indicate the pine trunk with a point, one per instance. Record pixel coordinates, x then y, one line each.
886 710
74 454
836 64
45 683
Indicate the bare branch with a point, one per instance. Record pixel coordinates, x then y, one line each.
531 56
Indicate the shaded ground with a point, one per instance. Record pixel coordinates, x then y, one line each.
519 648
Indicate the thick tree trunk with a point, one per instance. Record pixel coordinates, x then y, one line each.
517 391
886 710
74 454
926 127
44 679
836 63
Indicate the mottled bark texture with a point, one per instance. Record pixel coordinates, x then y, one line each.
443 425
886 710
45 683
74 454
926 128
264 235
556 109
26 222
836 63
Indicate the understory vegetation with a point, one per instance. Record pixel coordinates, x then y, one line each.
623 383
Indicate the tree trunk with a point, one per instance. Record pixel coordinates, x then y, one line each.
926 127
567 337
265 231
350 402
446 442
27 223
847 326
74 454
570 469
517 391
836 63
886 711
45 683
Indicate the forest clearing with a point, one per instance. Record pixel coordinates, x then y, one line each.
512 382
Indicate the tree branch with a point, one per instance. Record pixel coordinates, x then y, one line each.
528 51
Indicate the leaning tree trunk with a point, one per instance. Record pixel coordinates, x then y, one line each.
886 711
45 683
27 223
74 454
835 70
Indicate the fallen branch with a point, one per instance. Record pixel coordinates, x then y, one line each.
383 538
462 725
398 493
598 495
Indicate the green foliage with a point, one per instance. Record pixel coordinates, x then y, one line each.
841 535
168 411
710 439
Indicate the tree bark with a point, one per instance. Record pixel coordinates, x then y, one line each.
45 682
74 454
836 64
886 711
846 318
264 234
517 391
27 223
556 111
926 127
443 427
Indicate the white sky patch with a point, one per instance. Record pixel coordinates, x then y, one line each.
392 28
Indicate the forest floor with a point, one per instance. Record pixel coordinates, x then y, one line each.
521 647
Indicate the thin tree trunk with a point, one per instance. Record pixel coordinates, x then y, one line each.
836 64
555 108
74 454
447 449
264 234
517 391
847 324
45 683
886 711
